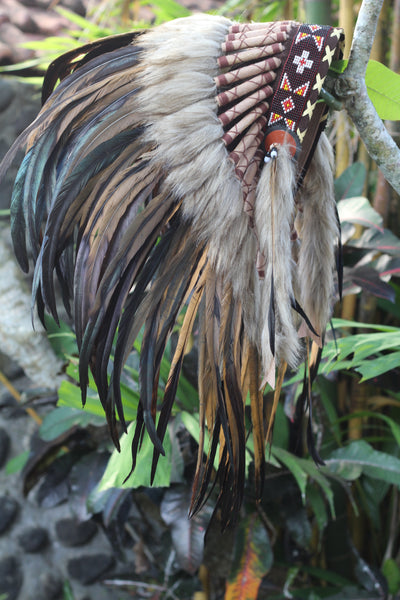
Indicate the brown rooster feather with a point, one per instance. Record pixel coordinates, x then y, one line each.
184 168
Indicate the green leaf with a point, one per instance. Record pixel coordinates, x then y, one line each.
63 418
69 394
292 463
318 507
120 463
351 182
359 457
317 474
16 464
378 365
383 87
67 591
338 66
281 428
336 322
361 351
391 571
61 337
166 10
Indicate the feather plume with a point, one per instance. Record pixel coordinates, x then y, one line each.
144 193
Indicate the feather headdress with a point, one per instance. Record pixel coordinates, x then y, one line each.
184 167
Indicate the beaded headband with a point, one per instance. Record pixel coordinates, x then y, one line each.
268 93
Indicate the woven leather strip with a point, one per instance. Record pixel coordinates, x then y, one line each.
272 77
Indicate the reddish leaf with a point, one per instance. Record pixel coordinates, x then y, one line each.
387 266
385 241
251 561
368 279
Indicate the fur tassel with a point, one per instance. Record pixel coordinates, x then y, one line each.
317 228
274 215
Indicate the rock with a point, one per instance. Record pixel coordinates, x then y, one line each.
33 539
13 37
4 446
19 16
29 348
6 94
6 55
8 512
89 568
77 6
10 577
74 533
9 367
50 587
9 407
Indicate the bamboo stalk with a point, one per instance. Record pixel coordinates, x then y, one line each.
318 11
288 11
15 394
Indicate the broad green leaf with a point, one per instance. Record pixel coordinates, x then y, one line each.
70 395
166 10
336 322
317 474
338 66
63 418
328 393
271 12
360 457
16 464
359 210
252 560
67 591
356 351
318 507
120 463
292 463
281 428
186 393
378 365
351 182
383 87
391 571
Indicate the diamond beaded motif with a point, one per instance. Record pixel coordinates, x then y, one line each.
272 74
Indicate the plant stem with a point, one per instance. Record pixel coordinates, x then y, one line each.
352 89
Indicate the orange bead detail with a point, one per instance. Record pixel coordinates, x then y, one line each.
280 137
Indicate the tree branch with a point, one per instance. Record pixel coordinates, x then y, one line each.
351 89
